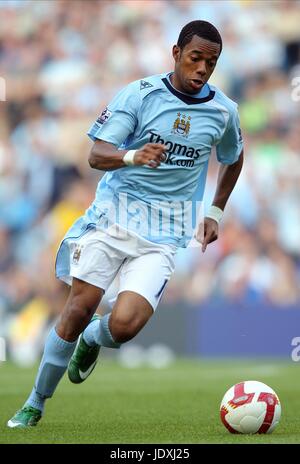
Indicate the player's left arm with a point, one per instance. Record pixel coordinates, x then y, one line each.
227 178
231 156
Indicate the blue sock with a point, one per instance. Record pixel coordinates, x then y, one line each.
98 333
57 354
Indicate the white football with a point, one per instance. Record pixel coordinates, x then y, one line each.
250 407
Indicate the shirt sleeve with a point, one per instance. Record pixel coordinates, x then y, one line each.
231 144
119 119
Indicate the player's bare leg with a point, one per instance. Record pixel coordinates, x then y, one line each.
129 315
82 302
79 309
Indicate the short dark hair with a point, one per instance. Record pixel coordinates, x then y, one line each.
202 29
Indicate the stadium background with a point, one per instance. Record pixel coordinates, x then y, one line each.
62 62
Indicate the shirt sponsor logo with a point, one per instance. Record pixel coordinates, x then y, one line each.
188 154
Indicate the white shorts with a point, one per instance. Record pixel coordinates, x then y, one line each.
141 266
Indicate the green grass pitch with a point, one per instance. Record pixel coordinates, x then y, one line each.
179 404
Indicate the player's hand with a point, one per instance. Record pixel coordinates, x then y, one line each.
207 232
151 154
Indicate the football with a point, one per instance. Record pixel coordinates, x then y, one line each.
250 407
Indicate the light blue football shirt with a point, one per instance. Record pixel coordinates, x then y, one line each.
159 203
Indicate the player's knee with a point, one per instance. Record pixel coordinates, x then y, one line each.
76 316
125 328
80 308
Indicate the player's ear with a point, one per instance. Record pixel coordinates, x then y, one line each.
176 53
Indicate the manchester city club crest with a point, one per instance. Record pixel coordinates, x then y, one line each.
182 125
77 254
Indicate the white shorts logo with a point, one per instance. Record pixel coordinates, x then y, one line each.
77 254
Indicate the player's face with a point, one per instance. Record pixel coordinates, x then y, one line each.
194 64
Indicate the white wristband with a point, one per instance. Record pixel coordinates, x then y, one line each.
215 213
128 158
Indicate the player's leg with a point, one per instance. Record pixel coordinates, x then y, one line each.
142 282
82 302
85 356
129 315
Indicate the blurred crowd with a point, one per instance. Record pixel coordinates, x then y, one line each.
62 61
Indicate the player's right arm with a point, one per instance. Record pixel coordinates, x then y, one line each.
115 124
105 157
